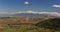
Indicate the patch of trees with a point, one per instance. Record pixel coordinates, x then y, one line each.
50 24
4 17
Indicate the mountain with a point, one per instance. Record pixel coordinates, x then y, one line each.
30 13
33 14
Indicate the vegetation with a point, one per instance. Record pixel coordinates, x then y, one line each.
34 24
53 24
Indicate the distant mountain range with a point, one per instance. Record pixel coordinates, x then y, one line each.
30 13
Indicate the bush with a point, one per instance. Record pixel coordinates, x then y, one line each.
50 24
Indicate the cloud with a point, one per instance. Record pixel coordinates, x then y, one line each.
58 6
51 13
48 13
26 2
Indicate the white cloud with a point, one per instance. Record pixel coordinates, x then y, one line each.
48 13
26 2
58 6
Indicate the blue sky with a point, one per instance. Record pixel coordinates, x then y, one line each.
35 5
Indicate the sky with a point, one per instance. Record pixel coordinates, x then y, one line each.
35 5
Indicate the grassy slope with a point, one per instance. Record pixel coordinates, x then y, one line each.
14 24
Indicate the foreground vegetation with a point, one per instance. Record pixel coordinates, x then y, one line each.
33 24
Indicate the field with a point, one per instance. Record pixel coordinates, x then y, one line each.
23 24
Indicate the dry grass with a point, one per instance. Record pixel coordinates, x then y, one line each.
20 24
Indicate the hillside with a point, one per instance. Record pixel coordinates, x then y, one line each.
25 24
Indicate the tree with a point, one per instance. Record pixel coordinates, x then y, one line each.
50 24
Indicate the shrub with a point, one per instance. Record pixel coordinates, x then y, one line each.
50 24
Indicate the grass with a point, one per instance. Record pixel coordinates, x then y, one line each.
25 28
7 25
18 29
